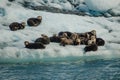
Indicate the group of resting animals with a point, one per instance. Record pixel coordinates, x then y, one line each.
63 38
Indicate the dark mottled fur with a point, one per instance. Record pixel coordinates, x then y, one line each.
34 45
43 40
65 41
55 38
67 32
100 42
92 47
34 21
16 26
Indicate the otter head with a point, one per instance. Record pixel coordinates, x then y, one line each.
78 41
64 35
26 43
93 32
44 36
23 23
89 42
39 17
93 38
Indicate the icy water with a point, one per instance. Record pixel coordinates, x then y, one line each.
78 70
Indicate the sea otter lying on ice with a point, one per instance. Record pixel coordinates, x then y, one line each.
16 26
34 21
34 45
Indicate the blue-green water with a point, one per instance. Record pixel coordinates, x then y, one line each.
77 70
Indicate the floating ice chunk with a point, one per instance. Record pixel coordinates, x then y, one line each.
102 5
2 12
82 7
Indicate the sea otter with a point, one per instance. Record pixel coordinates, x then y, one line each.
34 21
77 42
34 45
67 32
65 41
76 39
44 39
87 35
84 37
55 38
91 46
74 36
100 42
92 33
93 39
16 26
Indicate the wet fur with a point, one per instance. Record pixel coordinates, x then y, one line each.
34 45
44 39
65 41
92 47
34 21
16 26
100 42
